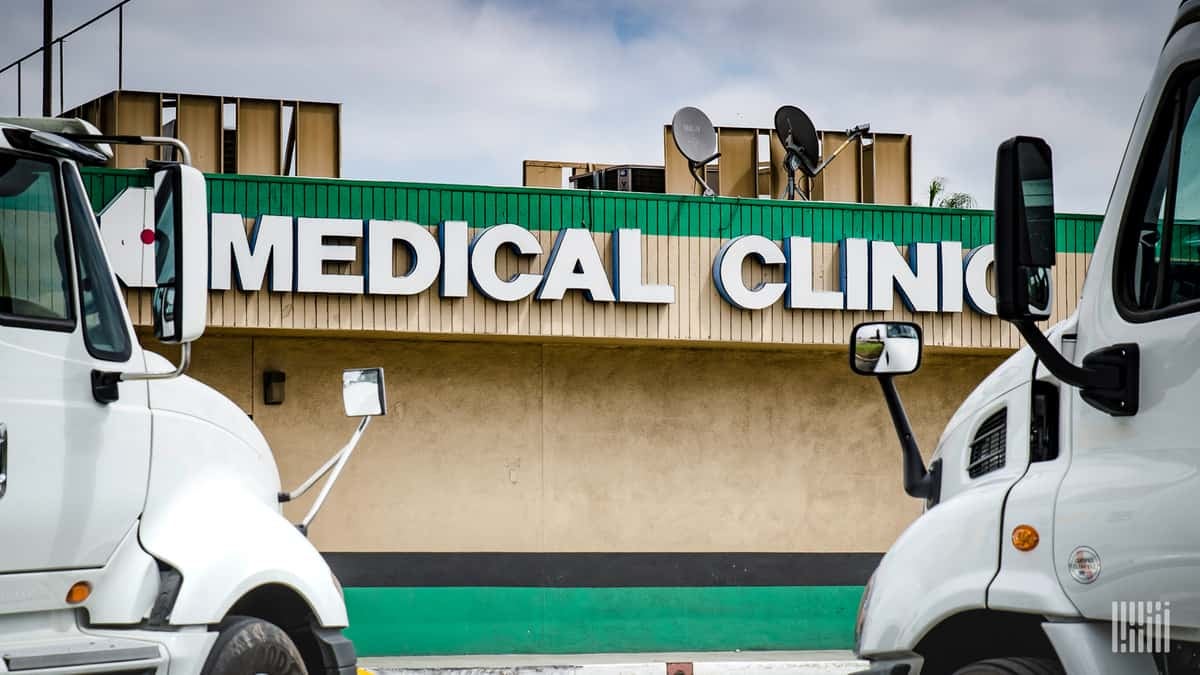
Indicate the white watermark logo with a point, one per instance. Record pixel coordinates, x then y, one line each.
1141 627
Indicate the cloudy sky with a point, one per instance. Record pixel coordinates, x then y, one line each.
463 90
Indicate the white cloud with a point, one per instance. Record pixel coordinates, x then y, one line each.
463 90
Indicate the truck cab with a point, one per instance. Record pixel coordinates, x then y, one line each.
1060 530
140 520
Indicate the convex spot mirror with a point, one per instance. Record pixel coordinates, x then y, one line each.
180 254
885 348
362 392
1024 229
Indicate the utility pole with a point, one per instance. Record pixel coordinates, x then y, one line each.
47 55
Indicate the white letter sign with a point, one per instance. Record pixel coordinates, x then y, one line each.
316 255
575 265
452 238
975 278
424 257
727 272
627 271
800 295
950 297
853 267
269 248
483 262
917 281
312 253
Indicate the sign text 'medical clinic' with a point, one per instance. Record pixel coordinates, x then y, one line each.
293 254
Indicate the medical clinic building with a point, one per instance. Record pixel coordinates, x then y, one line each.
616 421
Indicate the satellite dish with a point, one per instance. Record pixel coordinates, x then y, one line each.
799 138
697 141
694 134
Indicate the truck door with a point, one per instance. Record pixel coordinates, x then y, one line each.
74 471
1132 493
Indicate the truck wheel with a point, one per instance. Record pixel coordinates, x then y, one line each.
247 645
1012 666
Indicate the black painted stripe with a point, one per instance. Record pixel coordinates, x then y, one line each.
603 570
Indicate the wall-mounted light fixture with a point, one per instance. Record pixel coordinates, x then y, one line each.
273 381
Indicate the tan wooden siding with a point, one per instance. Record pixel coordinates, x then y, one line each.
259 145
318 147
137 114
198 124
892 181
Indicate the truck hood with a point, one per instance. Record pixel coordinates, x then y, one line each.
1012 373
188 396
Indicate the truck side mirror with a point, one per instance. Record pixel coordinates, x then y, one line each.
180 254
362 392
1024 229
363 396
886 348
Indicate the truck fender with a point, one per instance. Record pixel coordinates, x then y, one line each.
217 522
226 547
940 566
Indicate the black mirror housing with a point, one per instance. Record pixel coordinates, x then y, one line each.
885 349
1024 219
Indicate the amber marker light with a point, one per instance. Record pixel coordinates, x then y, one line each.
79 591
1025 538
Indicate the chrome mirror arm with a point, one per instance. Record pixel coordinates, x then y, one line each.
104 382
311 480
334 468
180 148
185 358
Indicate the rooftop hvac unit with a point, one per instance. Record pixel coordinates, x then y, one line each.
624 178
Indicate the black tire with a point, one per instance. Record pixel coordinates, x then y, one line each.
246 646
1012 666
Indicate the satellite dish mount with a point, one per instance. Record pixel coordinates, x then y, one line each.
803 151
696 139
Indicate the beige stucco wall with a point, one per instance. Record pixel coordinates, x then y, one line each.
493 446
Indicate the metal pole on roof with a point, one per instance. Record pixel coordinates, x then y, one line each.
18 88
62 78
120 47
47 56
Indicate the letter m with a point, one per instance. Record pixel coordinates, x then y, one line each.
269 249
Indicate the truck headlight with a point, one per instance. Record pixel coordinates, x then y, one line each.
862 615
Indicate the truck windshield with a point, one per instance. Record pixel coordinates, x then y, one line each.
34 276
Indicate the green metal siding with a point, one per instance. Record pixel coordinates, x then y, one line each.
547 209
491 620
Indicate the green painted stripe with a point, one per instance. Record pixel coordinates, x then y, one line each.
547 209
395 621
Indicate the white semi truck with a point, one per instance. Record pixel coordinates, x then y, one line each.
1062 524
140 521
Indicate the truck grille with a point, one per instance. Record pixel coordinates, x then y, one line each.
987 450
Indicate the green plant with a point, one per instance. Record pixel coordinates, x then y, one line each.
948 200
